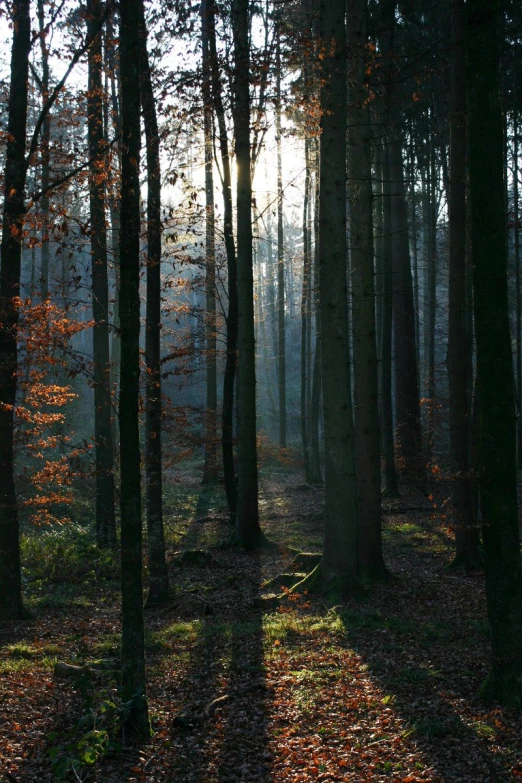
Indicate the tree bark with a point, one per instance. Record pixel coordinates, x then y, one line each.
136 720
408 432
248 531
104 449
227 422
518 303
366 414
305 319
459 349
11 606
45 142
158 573
315 398
390 486
495 381
210 470
281 334
339 563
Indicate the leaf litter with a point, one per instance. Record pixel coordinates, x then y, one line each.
378 687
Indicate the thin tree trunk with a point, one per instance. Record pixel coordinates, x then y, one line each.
227 427
210 470
11 606
495 381
390 487
158 573
281 335
408 430
315 399
415 246
430 295
104 449
459 353
113 64
366 395
305 325
247 527
133 680
339 561
44 147
518 308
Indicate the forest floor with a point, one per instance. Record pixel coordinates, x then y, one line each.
380 687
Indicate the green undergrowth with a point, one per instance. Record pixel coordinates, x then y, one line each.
68 556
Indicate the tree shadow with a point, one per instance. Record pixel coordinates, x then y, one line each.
429 673
216 694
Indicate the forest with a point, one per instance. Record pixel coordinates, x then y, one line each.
260 391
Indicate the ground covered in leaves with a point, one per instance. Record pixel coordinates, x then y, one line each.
380 687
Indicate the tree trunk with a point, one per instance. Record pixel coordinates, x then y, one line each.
315 398
104 449
248 531
210 470
390 488
459 349
11 606
305 320
495 381
158 573
518 308
366 396
227 422
408 432
339 561
430 301
281 335
45 141
133 679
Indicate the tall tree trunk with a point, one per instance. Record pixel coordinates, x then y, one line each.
227 423
113 64
366 396
415 246
11 606
408 430
390 487
430 301
459 350
104 450
518 308
315 398
339 562
305 320
281 333
495 381
158 573
210 470
45 143
133 678
247 527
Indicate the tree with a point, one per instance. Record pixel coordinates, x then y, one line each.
136 719
495 381
210 471
227 427
367 441
339 562
248 531
104 451
11 606
459 349
158 573
281 333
